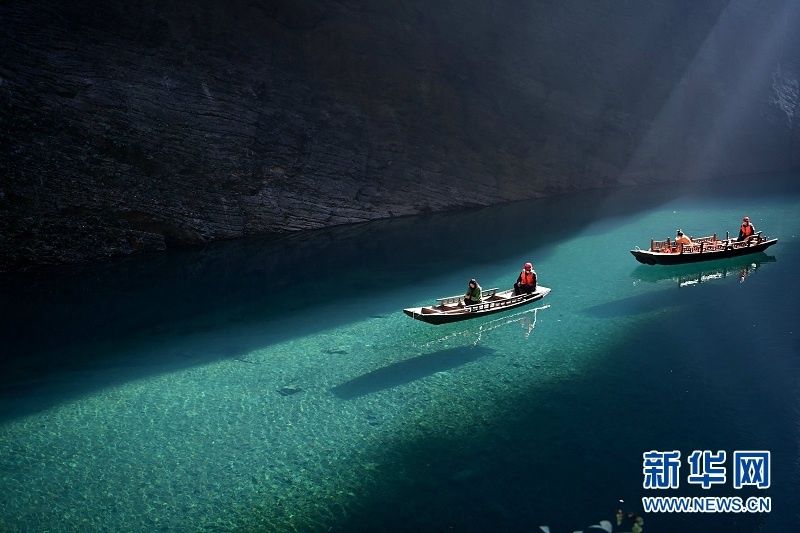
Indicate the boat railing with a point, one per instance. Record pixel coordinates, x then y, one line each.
660 246
709 238
754 239
495 303
711 244
691 248
700 247
488 293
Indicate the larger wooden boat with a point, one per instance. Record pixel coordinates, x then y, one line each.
702 249
452 308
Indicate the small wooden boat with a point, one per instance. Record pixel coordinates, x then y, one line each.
452 308
702 249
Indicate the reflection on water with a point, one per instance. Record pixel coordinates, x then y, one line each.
480 329
681 276
695 273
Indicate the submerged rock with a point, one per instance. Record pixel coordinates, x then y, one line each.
335 351
288 390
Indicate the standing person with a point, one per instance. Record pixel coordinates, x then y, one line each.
746 230
473 295
526 281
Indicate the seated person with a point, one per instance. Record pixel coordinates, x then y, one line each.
682 240
473 295
526 281
746 230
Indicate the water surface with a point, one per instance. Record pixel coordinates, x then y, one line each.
275 383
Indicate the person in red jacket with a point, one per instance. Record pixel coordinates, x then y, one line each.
526 282
747 229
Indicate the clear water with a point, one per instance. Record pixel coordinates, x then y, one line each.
161 392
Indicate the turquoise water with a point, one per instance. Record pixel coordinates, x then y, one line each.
276 384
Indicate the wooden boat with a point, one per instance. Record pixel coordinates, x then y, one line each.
702 249
452 308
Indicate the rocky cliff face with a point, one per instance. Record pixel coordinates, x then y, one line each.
139 126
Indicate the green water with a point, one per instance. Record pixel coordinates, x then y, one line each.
276 385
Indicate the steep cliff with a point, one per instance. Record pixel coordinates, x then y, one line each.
139 126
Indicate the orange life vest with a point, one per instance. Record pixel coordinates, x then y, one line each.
747 229
526 277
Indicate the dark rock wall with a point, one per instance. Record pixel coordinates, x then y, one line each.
129 126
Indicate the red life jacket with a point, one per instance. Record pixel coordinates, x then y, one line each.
747 229
527 277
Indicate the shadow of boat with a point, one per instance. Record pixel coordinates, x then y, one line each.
409 370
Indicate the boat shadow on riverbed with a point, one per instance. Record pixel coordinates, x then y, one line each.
410 370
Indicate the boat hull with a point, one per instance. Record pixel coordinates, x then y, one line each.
657 258
505 300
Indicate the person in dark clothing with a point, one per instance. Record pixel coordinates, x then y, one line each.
526 281
473 295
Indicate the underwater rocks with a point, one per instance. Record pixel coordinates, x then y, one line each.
288 390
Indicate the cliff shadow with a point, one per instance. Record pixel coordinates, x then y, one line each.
58 325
